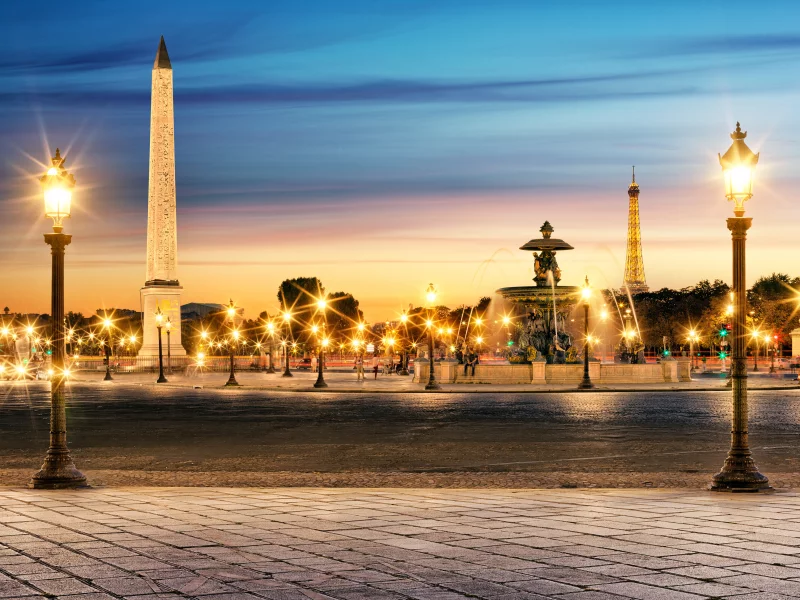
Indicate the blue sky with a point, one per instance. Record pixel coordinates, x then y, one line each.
381 145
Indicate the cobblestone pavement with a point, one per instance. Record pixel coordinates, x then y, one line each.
124 434
287 544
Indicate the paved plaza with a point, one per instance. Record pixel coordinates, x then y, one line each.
233 543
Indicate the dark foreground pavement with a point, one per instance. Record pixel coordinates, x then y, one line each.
292 544
143 435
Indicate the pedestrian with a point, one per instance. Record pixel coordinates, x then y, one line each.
375 365
313 363
471 359
359 367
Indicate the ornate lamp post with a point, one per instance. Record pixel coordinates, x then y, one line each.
231 314
159 325
739 473
404 355
322 305
271 333
692 340
58 471
287 321
169 346
756 339
107 325
586 295
430 296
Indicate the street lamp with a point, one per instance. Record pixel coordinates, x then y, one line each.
692 340
586 295
770 349
404 355
58 470
271 333
287 319
230 312
323 343
169 346
739 472
107 325
430 296
159 325
756 338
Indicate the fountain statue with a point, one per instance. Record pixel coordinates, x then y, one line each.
546 306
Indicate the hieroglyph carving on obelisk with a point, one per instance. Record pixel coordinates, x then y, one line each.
161 289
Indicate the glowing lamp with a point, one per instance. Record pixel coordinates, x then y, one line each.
169 324
586 291
322 304
738 165
325 342
506 320
430 294
57 185
159 318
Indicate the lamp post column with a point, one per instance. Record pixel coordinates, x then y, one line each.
739 471
586 382
431 385
320 382
271 368
107 352
232 373
771 350
755 358
161 378
286 371
58 470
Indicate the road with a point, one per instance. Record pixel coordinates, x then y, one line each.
598 437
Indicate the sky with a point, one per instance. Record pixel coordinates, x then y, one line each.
381 145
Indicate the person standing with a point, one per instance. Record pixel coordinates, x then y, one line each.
376 363
359 360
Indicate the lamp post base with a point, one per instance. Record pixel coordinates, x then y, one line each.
320 384
270 370
740 474
108 376
432 386
585 384
162 379
231 382
58 473
287 374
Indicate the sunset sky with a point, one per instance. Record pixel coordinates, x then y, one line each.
382 145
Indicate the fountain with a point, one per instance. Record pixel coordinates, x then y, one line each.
546 304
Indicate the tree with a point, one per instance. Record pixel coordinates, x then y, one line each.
773 301
343 314
299 296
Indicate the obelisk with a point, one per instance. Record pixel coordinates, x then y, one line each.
161 288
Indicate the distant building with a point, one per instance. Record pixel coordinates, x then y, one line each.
200 310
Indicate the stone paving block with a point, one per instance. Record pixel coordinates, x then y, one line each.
645 592
63 586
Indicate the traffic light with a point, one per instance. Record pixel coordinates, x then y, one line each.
723 355
723 332
510 342
49 353
666 352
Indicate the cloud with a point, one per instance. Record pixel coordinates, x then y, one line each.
727 45
613 86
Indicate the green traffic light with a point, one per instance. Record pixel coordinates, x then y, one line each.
723 332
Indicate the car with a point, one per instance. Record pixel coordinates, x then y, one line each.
305 363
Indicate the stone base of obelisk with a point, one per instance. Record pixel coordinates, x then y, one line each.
168 299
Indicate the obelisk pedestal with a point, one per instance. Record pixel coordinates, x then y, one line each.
161 289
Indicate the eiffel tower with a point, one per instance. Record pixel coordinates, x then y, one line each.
634 264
